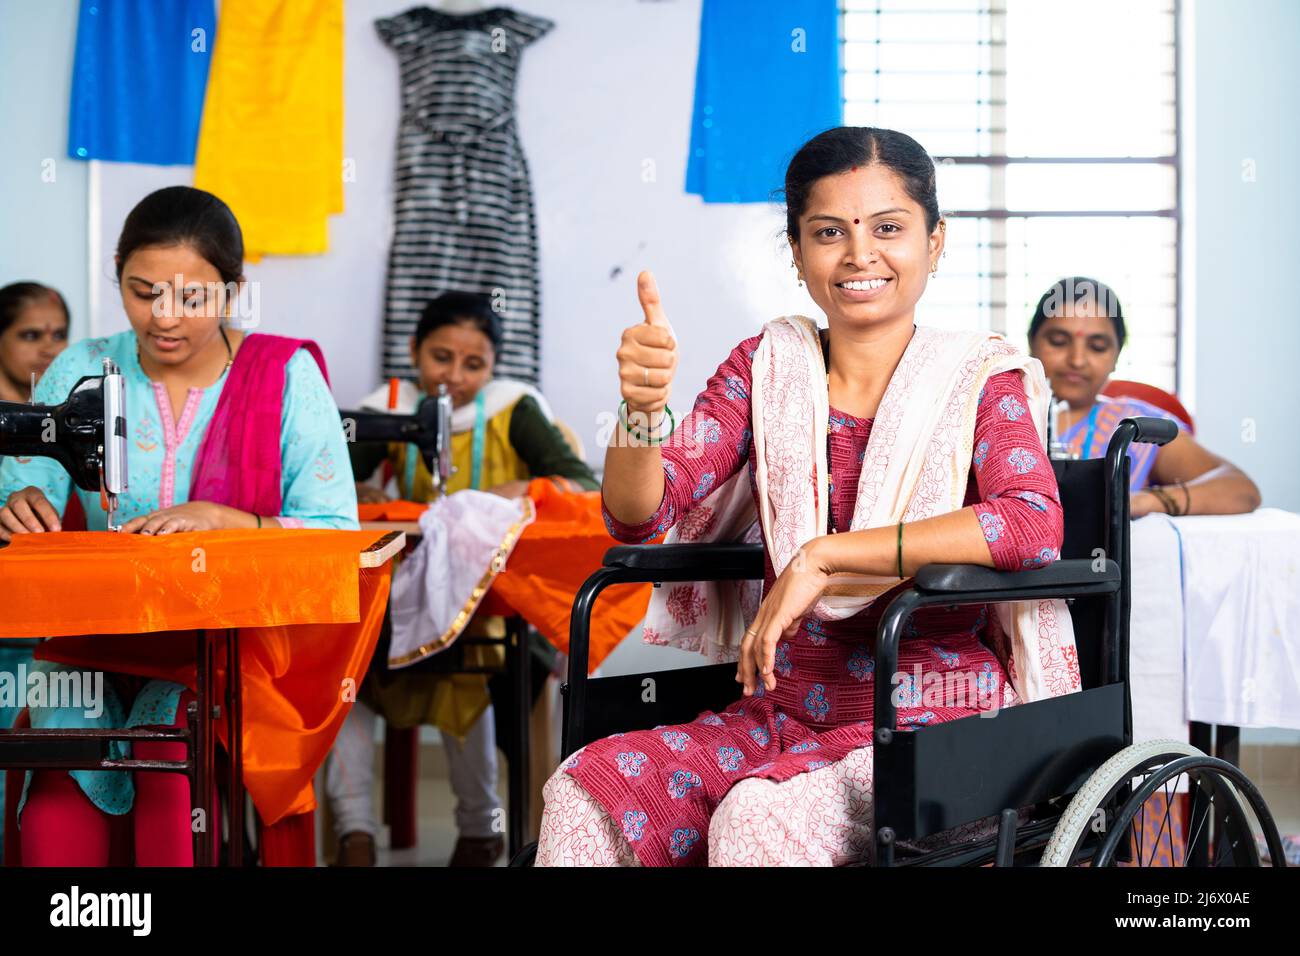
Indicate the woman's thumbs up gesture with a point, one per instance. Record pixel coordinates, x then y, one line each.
647 355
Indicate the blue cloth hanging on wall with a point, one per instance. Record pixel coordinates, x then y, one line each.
139 78
761 91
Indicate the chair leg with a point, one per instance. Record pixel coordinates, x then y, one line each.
401 781
518 662
291 842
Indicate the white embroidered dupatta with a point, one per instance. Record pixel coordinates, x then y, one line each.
916 466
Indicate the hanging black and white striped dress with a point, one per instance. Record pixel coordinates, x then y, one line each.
463 202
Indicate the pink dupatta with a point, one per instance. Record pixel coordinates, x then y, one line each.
238 462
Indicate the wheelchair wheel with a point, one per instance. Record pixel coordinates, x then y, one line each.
1104 823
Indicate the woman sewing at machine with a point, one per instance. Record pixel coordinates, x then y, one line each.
196 390
1077 332
503 435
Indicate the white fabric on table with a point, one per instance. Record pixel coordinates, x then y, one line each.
466 539
1241 584
1156 631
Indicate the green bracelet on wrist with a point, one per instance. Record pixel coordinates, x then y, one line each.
648 439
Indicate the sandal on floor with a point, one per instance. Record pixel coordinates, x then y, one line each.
478 851
356 849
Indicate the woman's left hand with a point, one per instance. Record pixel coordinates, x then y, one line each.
191 516
796 589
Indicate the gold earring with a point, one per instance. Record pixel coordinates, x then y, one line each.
801 280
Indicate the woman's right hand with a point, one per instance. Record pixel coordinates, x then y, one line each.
647 355
27 511
370 495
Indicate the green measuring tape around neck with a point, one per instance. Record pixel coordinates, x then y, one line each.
477 444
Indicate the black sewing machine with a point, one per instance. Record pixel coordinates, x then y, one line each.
428 428
86 435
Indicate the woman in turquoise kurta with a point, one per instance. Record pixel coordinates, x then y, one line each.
175 368
161 450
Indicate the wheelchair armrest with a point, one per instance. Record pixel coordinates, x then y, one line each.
714 561
974 579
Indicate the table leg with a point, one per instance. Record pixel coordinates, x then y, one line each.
194 724
1201 736
234 742
521 691
1227 743
203 758
1222 741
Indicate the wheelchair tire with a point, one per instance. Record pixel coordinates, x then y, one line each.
1161 762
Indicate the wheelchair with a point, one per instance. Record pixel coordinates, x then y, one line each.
1061 777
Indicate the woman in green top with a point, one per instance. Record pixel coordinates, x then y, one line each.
503 435
502 430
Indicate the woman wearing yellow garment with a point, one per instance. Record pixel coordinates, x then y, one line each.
502 436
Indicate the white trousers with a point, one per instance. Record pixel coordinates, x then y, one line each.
350 776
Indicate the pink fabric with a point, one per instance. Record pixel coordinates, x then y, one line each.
663 786
821 818
238 463
162 803
61 827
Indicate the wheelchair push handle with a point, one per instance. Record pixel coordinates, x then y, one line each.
1150 431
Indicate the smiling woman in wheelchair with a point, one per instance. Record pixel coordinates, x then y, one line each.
869 449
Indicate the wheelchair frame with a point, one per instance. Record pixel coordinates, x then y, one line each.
1059 742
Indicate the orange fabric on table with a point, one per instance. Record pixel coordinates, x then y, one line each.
565 543
391 511
555 554
308 616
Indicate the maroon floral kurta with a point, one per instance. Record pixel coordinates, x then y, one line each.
662 785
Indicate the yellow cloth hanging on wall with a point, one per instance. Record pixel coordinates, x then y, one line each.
271 140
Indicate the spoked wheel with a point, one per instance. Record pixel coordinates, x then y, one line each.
1110 821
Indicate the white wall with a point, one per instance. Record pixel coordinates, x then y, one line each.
1245 250
604 105
42 192
604 113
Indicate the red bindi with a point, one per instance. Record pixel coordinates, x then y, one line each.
856 221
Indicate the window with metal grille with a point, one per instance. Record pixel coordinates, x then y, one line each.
1054 124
